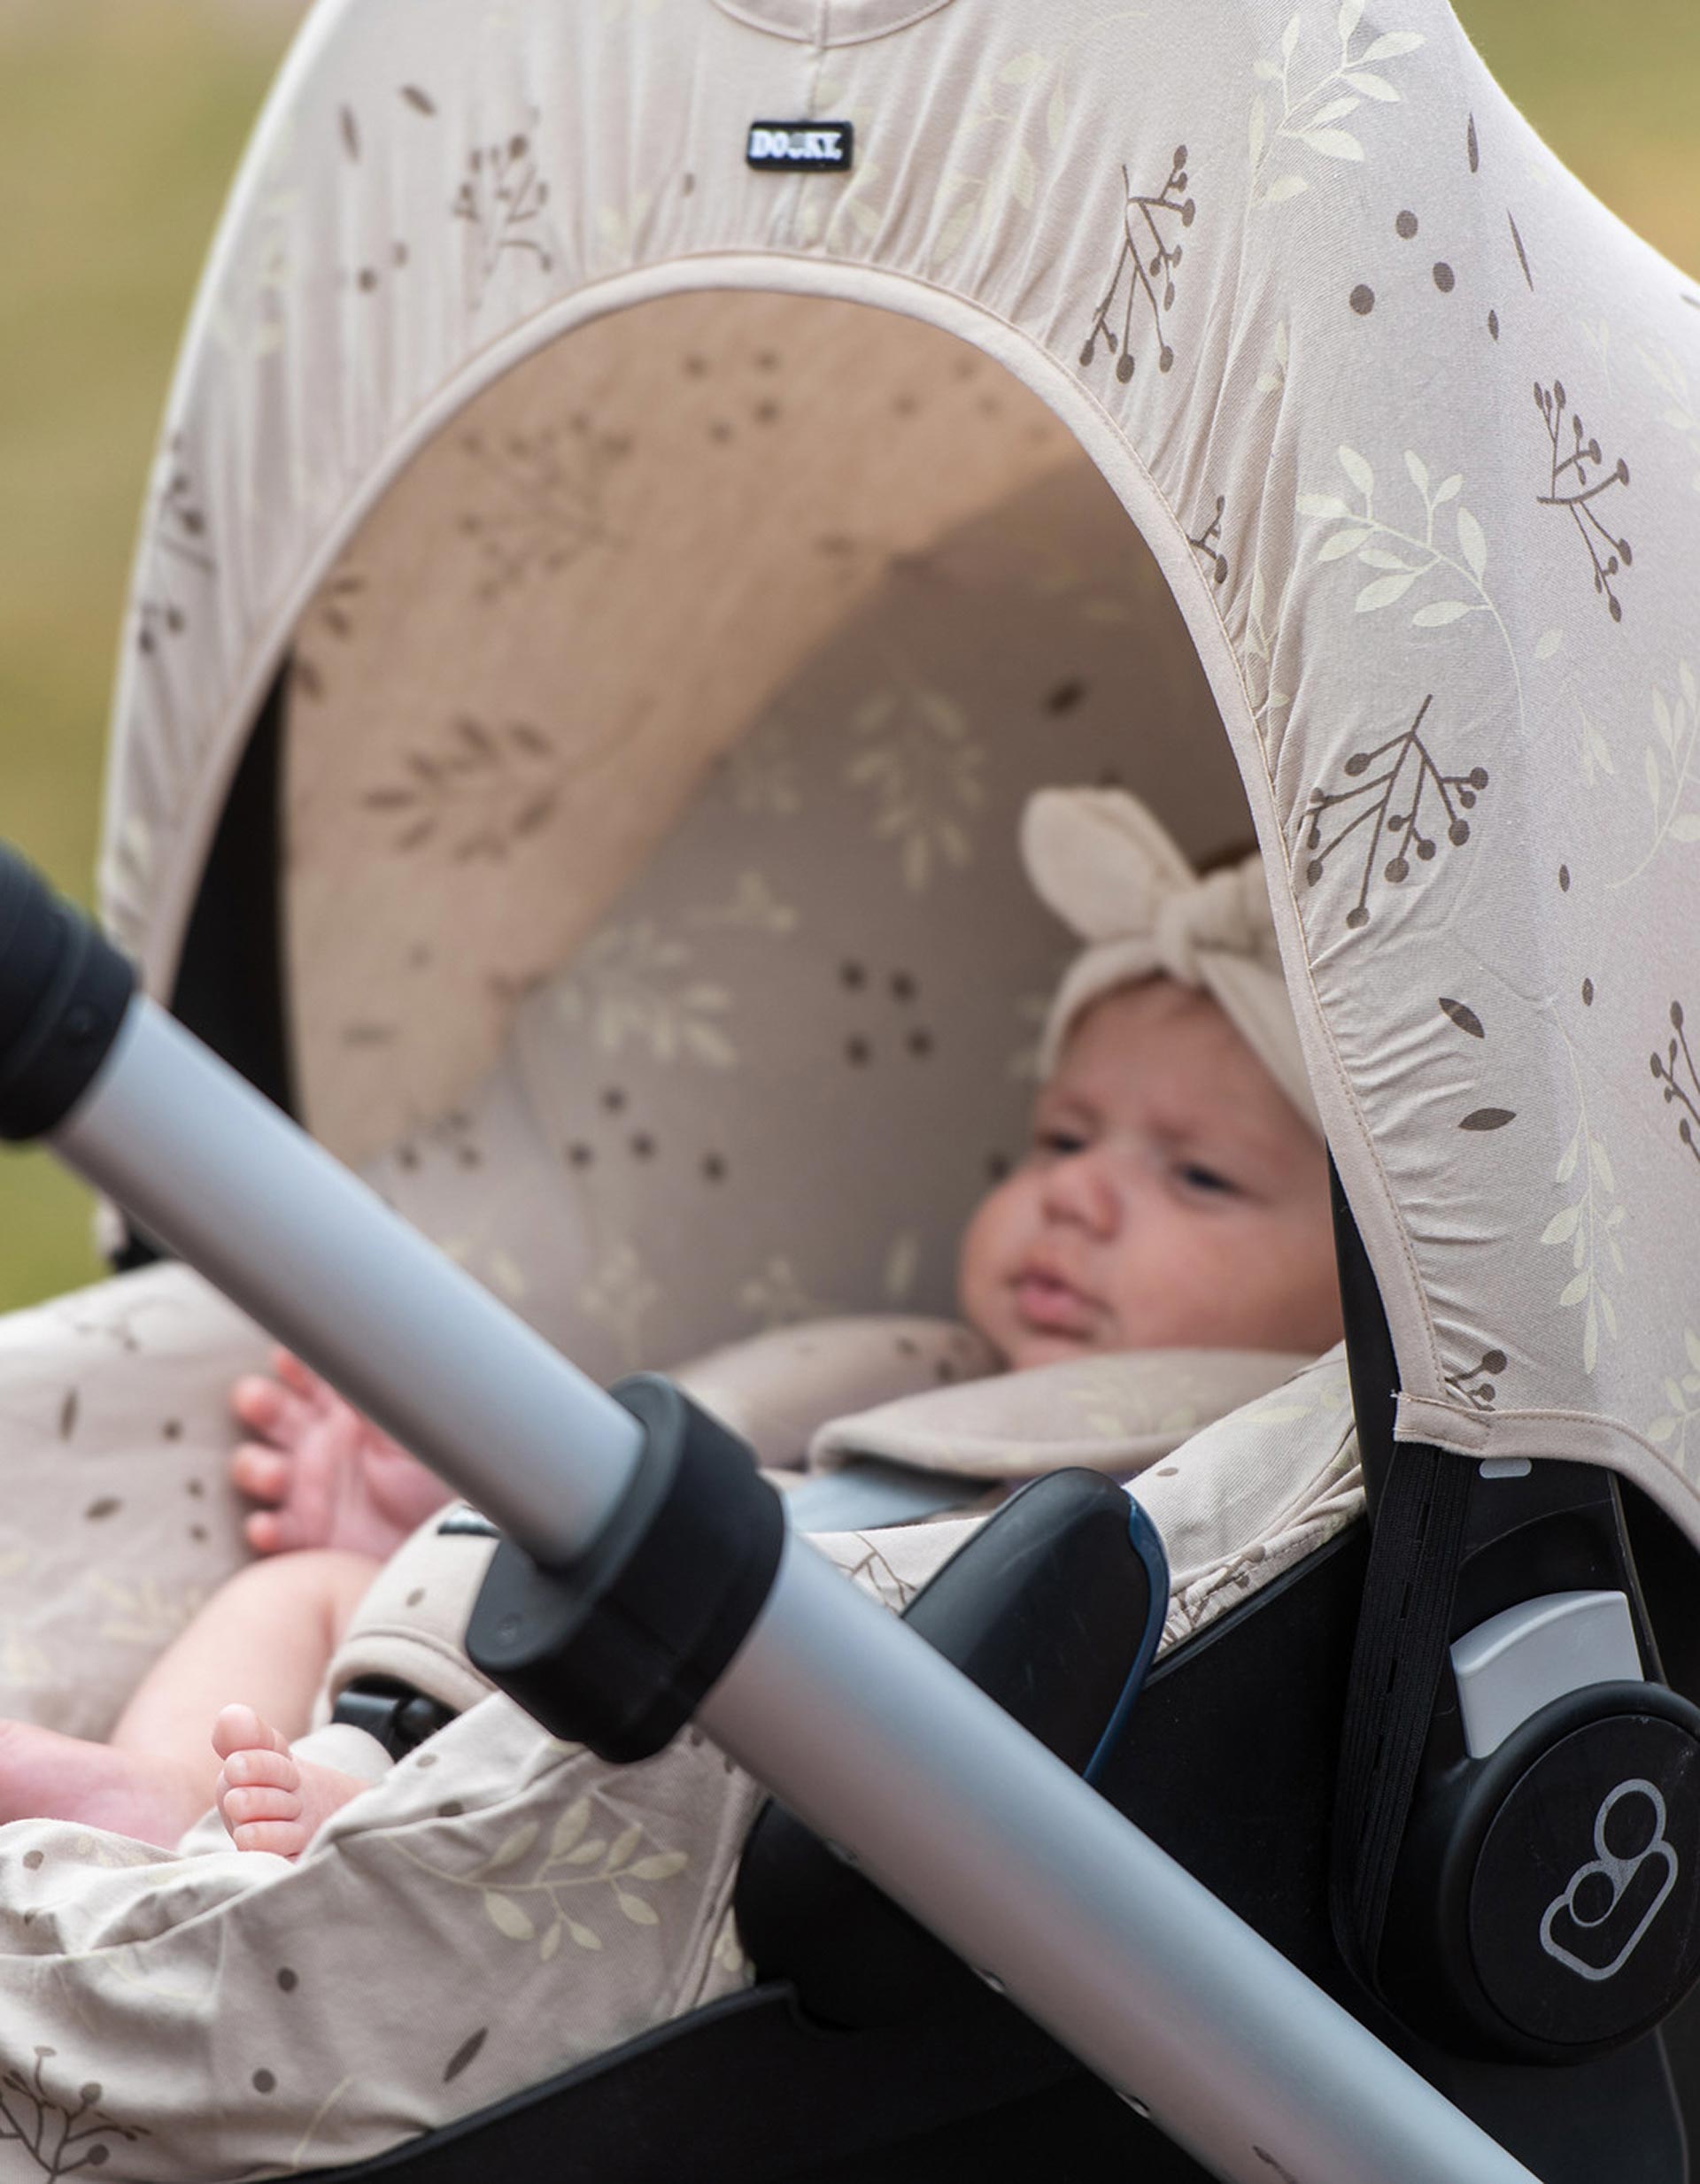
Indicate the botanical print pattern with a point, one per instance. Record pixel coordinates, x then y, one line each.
1668 372
1670 1431
620 1296
923 768
635 985
333 617
1148 258
60 2134
1667 767
1208 547
1406 558
1674 1071
1476 1383
1310 113
1392 804
541 499
1579 478
1587 1223
776 1296
180 521
1267 701
547 1887
503 199
483 790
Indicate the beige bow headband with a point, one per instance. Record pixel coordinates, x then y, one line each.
1100 860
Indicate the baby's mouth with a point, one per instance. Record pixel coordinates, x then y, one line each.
1049 1304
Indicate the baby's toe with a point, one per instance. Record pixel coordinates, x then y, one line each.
243 1804
241 1730
267 1770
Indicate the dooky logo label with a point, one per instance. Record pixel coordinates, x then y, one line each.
790 146
1598 1924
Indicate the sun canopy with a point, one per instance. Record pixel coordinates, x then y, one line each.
1409 423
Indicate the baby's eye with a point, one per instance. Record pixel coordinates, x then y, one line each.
1059 1142
1205 1181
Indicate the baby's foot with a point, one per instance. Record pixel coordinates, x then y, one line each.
268 1798
329 1477
45 1775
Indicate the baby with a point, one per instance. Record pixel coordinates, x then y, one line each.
1174 1195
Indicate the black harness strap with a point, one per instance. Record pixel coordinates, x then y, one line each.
1419 1499
1415 1551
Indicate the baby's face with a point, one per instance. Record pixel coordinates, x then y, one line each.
1172 1199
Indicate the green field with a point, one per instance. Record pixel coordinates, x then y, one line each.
121 122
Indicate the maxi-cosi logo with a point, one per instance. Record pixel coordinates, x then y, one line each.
794 147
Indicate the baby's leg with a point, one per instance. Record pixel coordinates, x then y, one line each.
331 1479
268 1798
271 1629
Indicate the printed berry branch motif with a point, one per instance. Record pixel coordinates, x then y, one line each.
180 521
549 499
59 2135
1476 1385
485 791
1389 803
1577 483
1208 547
1404 558
543 1906
502 197
1587 1224
1671 1431
156 620
1312 118
1674 1069
332 616
1668 763
1148 262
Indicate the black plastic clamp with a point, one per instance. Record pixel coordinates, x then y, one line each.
617 1650
64 991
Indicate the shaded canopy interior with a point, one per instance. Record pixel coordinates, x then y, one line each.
653 761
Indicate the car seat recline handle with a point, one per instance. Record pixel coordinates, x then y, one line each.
846 1716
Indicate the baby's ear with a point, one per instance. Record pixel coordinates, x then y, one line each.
1100 860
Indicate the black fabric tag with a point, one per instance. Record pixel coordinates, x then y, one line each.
801 147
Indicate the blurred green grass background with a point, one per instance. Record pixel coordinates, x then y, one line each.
120 124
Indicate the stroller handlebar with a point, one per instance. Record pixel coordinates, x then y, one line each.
64 991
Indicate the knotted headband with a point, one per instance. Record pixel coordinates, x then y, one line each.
1100 860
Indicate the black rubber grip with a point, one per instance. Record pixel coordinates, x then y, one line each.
64 991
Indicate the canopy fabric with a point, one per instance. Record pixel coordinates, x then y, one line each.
1408 421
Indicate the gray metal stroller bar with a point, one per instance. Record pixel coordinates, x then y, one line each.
841 1710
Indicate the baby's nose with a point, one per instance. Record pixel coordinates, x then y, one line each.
1083 1191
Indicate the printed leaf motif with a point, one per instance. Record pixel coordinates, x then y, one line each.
1381 544
1396 42
1384 591
465 2053
571 1827
1471 544
1333 143
1464 1016
1311 110
1586 1225
1488 1118
1358 471
508 1917
1667 765
515 1848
